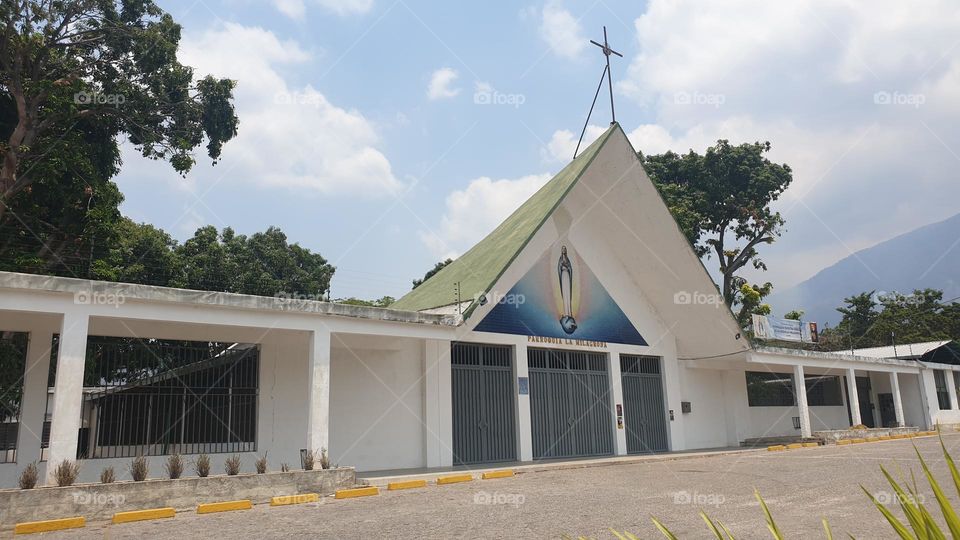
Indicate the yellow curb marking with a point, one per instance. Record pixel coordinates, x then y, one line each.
505 473
407 484
143 515
810 445
357 492
284 500
30 527
885 437
226 506
844 442
776 448
453 479
857 441
872 439
794 446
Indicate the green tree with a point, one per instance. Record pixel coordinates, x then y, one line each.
436 268
751 302
383 301
859 314
140 253
104 66
794 315
722 202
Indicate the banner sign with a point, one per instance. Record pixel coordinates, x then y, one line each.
784 329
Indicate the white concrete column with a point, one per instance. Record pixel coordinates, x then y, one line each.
33 407
318 391
951 389
616 387
897 402
524 422
68 391
854 397
800 389
438 433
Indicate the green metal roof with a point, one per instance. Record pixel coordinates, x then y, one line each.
478 269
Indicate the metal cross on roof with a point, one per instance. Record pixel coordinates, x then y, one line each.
607 51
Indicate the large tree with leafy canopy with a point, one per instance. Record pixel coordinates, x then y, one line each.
76 71
722 201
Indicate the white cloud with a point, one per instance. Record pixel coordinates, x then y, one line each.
296 9
561 31
474 212
564 142
812 78
440 84
289 136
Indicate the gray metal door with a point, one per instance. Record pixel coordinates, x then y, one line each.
644 411
483 403
569 404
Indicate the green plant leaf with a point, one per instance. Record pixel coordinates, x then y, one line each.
894 522
713 528
826 529
771 524
949 515
907 504
950 464
663 529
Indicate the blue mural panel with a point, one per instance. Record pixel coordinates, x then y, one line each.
560 297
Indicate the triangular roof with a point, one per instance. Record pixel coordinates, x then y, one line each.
478 269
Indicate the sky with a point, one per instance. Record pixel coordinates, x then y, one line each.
389 134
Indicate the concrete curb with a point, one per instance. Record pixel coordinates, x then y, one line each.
225 506
356 492
47 525
454 479
409 484
285 500
143 515
505 473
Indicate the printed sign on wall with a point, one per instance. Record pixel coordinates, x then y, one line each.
560 297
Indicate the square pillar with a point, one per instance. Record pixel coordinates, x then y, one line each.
854 398
67 391
524 422
34 403
897 402
616 387
800 390
318 391
437 414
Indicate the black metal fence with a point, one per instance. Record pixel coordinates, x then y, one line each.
154 397
13 360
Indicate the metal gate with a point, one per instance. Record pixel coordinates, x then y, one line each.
644 411
569 404
483 403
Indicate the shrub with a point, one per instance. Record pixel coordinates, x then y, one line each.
202 465
107 476
308 460
232 465
859 426
284 467
66 472
139 468
324 459
174 466
29 476
261 463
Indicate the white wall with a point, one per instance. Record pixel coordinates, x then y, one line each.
376 402
914 403
704 426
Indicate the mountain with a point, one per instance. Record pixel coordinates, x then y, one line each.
925 257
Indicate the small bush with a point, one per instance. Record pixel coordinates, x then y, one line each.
261 464
66 472
29 476
174 466
324 459
859 426
232 465
202 466
139 468
107 476
309 459
284 467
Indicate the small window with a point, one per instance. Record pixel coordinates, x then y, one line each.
770 389
943 395
823 391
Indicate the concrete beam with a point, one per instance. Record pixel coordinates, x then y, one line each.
800 389
897 401
318 389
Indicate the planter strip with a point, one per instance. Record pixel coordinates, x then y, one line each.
225 506
49 525
143 515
